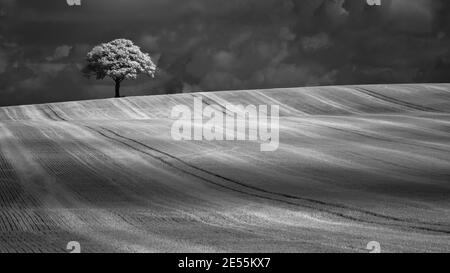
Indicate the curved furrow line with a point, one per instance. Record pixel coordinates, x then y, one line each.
165 162
394 101
7 114
56 115
29 213
65 204
127 180
375 137
47 114
69 170
137 108
12 193
314 201
343 109
74 205
129 109
344 216
282 105
217 106
345 100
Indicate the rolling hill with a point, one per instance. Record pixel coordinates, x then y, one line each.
355 164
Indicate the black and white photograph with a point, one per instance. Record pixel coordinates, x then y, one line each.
225 127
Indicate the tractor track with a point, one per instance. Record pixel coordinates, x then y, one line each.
104 173
394 101
273 196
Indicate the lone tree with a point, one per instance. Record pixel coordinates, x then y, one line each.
119 59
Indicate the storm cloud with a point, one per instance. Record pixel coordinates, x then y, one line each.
203 45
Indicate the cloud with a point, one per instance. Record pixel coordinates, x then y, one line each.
217 45
43 74
291 75
412 15
335 11
218 80
60 52
224 59
316 42
188 88
287 34
3 62
149 42
48 69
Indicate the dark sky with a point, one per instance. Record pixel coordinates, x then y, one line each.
202 45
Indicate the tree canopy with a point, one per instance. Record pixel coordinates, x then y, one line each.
119 60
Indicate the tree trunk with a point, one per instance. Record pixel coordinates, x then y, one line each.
117 89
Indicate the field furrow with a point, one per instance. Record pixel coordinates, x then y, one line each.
355 164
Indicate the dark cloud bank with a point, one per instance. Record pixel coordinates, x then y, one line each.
203 45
